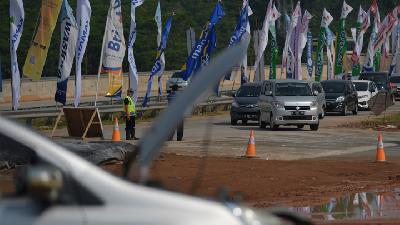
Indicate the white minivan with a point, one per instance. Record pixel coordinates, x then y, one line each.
365 90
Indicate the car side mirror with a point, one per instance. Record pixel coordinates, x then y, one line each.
44 183
316 93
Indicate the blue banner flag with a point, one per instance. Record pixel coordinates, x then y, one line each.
310 63
194 61
157 65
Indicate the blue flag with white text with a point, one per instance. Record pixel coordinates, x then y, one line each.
194 61
157 65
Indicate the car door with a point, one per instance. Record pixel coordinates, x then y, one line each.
265 101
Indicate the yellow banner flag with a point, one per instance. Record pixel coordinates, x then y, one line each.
37 53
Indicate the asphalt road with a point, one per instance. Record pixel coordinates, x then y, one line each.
215 136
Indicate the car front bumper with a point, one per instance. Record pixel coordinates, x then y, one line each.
292 117
334 106
245 113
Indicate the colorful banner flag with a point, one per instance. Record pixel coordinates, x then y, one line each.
17 18
395 64
83 13
69 35
302 43
194 61
263 40
369 60
240 29
285 53
363 23
310 63
114 49
158 20
133 73
293 66
243 67
330 51
274 44
157 65
341 37
288 56
37 53
322 41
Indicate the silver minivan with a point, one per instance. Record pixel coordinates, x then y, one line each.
288 103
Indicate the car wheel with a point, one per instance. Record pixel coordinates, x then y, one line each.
300 126
233 122
244 122
272 124
314 126
322 115
344 111
261 124
355 111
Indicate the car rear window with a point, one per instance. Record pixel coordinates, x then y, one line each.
292 89
249 91
395 79
333 87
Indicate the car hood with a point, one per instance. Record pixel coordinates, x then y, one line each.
246 100
297 99
362 93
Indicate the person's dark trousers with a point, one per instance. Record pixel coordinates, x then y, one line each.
179 132
130 128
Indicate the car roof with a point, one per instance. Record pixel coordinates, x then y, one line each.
336 81
362 81
289 81
251 84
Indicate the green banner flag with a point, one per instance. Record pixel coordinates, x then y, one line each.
341 39
320 54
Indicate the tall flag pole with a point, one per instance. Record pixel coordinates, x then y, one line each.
69 35
341 39
17 18
288 59
322 41
303 39
83 13
158 20
40 45
240 30
197 57
263 42
363 23
369 60
133 73
157 65
394 65
274 44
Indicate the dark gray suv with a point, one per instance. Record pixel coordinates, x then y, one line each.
244 106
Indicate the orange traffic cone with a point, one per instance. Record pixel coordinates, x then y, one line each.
116 135
380 152
251 146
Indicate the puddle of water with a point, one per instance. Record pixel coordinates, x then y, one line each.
358 206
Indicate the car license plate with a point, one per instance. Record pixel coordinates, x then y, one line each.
297 113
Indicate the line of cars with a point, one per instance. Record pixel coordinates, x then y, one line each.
299 103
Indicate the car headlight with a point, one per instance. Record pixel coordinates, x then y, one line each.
251 217
278 104
235 104
314 104
340 99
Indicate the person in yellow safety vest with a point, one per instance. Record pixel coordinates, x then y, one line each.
130 115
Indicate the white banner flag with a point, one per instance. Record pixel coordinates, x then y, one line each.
158 20
83 14
133 75
264 35
303 41
17 17
69 34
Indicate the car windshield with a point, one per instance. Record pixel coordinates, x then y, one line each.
377 78
249 91
292 89
395 79
333 87
177 75
361 86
